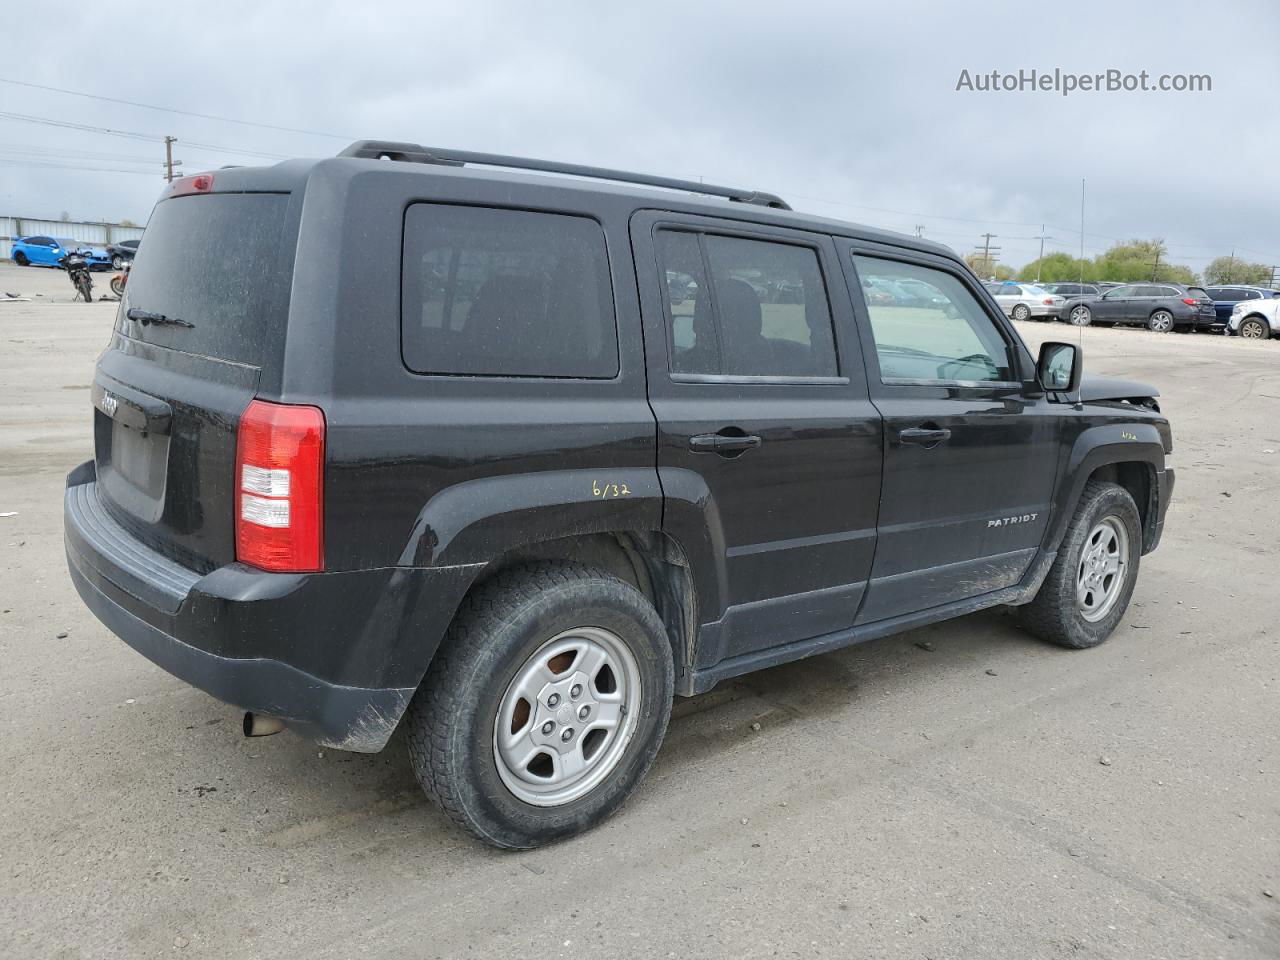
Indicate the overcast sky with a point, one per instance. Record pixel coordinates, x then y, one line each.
845 109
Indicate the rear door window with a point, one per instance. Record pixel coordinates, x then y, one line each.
514 293
764 311
222 262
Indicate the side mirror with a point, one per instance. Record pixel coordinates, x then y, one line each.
1059 366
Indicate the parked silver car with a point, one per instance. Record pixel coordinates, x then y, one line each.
1022 301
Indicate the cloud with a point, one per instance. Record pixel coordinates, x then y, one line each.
849 110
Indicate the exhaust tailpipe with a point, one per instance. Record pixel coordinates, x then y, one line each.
259 725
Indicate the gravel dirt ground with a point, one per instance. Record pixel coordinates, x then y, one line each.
961 791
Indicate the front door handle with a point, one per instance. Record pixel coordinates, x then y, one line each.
924 436
723 444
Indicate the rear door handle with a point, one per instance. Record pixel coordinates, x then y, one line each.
924 436
722 443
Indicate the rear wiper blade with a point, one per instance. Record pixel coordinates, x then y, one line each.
146 316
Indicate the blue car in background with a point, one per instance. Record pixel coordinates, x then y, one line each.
43 251
1226 296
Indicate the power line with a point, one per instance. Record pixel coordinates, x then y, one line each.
67 166
49 121
908 213
134 135
185 113
30 150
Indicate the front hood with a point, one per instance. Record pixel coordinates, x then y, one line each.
1109 388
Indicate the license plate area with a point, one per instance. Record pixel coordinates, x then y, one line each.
132 466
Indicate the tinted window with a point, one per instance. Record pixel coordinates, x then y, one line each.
764 312
948 338
221 262
1117 293
1251 295
1011 290
506 293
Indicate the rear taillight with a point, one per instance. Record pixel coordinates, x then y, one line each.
1048 301
279 488
1191 301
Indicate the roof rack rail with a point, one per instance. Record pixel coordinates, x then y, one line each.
413 153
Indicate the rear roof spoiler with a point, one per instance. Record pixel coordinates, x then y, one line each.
414 153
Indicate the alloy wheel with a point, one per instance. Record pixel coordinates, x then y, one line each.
1104 563
1081 316
567 716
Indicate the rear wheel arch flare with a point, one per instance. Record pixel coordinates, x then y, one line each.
653 562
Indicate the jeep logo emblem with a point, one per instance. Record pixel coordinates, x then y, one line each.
1005 521
109 404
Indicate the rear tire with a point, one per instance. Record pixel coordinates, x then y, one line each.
1080 316
1077 606
21 260
506 641
117 286
1021 312
1161 321
117 262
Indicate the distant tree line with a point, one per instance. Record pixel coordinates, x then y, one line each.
1125 263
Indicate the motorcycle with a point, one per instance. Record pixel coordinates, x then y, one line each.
120 279
77 266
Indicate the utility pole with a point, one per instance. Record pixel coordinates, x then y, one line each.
1231 262
919 229
988 252
1155 267
168 157
1040 260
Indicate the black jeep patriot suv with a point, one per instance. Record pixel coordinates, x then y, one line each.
404 437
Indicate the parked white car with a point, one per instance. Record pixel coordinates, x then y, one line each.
1022 301
1255 319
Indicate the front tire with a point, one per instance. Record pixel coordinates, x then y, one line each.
1255 328
21 260
1161 321
1089 586
545 706
1021 312
117 262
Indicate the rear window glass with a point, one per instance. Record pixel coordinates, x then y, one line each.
220 262
490 292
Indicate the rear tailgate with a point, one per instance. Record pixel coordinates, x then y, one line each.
1206 312
168 397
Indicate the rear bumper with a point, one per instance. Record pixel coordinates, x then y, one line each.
336 656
